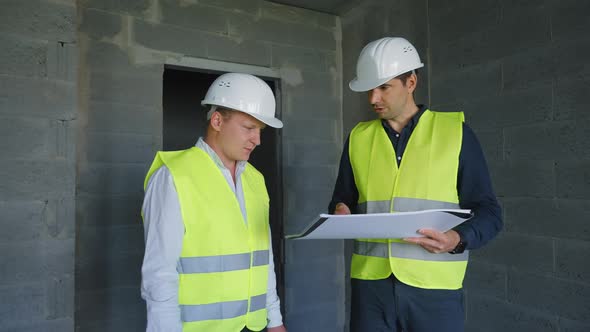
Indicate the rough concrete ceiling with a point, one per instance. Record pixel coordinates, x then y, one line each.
335 7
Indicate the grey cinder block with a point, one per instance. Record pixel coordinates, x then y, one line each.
35 179
23 57
121 179
574 178
559 297
570 260
21 303
120 148
486 279
132 7
468 83
107 210
534 178
491 315
37 138
251 52
170 38
22 220
536 216
535 253
39 98
144 89
194 16
39 19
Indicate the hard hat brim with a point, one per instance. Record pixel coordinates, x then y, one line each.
273 122
269 121
366 85
362 86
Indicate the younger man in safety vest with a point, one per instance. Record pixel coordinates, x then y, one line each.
208 264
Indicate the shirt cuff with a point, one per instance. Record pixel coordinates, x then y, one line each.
273 314
466 234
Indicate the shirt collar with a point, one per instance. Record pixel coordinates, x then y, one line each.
413 121
201 144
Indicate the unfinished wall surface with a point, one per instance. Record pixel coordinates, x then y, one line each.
123 48
81 118
38 65
519 71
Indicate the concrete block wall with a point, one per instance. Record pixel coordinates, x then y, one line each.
123 48
38 65
518 70
80 109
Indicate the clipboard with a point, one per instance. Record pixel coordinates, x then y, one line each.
381 225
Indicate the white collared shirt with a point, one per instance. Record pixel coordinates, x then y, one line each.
164 231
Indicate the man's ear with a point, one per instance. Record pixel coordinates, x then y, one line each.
412 82
216 120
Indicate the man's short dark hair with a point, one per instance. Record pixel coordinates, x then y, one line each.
404 77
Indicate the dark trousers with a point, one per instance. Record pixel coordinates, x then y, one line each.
389 305
246 330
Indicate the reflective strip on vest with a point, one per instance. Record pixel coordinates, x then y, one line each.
374 207
412 251
261 257
404 204
375 249
258 302
210 264
404 250
221 310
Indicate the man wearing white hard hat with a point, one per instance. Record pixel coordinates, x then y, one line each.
409 159
208 264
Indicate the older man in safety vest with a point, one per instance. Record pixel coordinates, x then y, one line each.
410 158
208 264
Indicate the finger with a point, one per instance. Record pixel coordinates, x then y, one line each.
426 232
426 243
341 208
435 245
341 211
429 248
436 248
432 236
431 233
412 239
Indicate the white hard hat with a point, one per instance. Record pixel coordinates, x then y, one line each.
245 93
383 59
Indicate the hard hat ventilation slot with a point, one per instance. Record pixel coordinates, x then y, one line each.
408 49
225 84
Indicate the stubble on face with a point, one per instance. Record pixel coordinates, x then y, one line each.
389 99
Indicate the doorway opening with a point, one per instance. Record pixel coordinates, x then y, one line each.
184 121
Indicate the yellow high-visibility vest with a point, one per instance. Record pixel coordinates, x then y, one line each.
223 267
425 179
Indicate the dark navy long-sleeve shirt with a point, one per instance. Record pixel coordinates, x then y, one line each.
473 184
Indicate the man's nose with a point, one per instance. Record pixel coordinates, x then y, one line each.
374 96
256 137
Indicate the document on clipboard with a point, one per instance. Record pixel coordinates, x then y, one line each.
381 225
